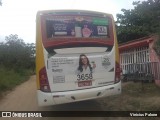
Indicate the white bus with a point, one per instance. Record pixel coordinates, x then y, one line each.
77 56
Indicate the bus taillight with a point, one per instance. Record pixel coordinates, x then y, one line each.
43 79
117 73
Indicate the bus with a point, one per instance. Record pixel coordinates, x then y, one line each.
77 56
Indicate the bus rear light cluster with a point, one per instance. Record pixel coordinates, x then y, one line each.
43 79
117 73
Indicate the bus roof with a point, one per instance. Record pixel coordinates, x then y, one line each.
80 12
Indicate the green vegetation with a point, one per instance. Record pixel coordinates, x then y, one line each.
10 78
141 21
17 62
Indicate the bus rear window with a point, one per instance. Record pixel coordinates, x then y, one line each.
62 26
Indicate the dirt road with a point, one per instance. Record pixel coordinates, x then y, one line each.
23 98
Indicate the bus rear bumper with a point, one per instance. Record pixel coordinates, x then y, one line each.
46 99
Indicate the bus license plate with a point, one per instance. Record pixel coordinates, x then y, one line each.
84 83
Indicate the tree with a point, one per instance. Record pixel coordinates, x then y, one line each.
141 21
15 54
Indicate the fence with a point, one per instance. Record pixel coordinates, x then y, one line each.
148 71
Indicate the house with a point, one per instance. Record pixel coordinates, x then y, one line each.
139 55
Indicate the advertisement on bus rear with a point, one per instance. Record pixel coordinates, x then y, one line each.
82 68
77 26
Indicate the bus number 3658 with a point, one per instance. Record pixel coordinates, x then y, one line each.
84 76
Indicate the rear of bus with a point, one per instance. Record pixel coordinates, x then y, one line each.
76 56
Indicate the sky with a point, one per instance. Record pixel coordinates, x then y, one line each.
19 16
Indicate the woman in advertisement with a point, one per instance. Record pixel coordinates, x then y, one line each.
85 70
85 66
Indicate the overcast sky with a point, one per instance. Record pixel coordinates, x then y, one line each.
18 16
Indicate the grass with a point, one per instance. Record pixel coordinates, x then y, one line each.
11 78
134 97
